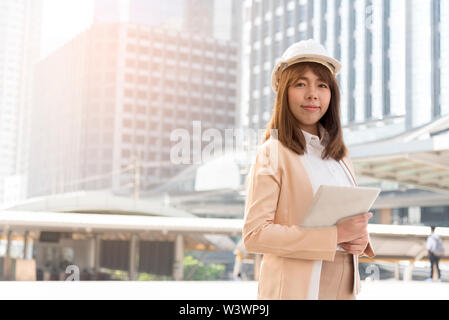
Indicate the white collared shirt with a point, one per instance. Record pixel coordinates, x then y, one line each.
327 172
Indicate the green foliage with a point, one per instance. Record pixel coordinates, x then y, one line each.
196 270
143 276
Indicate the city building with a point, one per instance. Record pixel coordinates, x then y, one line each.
19 51
157 13
199 16
108 102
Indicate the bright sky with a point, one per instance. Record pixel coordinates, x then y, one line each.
63 20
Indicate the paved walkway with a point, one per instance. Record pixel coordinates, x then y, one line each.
200 290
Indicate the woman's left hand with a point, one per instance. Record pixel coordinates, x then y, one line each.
357 246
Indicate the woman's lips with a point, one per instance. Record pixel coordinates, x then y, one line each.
311 108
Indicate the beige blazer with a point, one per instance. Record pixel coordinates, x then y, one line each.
279 193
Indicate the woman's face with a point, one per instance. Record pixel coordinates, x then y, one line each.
308 100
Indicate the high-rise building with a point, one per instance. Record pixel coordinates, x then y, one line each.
19 50
221 19
393 53
157 13
199 17
108 101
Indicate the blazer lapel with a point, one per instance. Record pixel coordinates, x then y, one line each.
348 165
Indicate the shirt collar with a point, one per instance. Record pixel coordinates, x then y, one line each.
310 137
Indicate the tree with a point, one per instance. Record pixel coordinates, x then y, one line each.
197 270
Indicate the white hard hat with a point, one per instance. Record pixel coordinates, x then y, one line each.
303 51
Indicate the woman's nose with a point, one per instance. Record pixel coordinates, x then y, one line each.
311 93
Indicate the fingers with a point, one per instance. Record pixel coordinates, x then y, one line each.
368 215
360 218
361 239
354 227
363 217
353 249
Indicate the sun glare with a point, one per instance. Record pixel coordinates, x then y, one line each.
63 20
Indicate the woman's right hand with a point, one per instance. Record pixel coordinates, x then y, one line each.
352 228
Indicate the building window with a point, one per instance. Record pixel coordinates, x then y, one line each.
301 14
126 153
143 65
266 5
276 4
255 33
129 78
127 123
141 94
128 107
301 36
277 24
277 49
266 29
129 93
289 19
256 59
290 40
130 63
140 139
131 48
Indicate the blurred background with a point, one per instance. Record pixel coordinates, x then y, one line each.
100 100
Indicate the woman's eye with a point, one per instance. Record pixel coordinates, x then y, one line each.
300 84
323 86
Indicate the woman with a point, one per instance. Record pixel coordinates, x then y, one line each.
303 263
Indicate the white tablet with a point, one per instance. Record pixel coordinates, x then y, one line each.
332 203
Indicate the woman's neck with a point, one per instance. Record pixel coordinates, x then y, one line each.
312 130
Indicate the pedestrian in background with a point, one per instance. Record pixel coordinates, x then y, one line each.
436 250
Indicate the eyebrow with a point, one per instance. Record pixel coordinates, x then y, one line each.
307 79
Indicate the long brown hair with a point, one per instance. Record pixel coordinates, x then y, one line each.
287 126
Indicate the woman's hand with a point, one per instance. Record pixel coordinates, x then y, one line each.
352 228
357 246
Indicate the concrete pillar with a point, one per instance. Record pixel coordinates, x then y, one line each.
97 253
91 254
8 244
7 264
385 216
25 244
408 272
132 258
396 271
178 269
414 215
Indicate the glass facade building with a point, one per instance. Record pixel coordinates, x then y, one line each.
20 32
